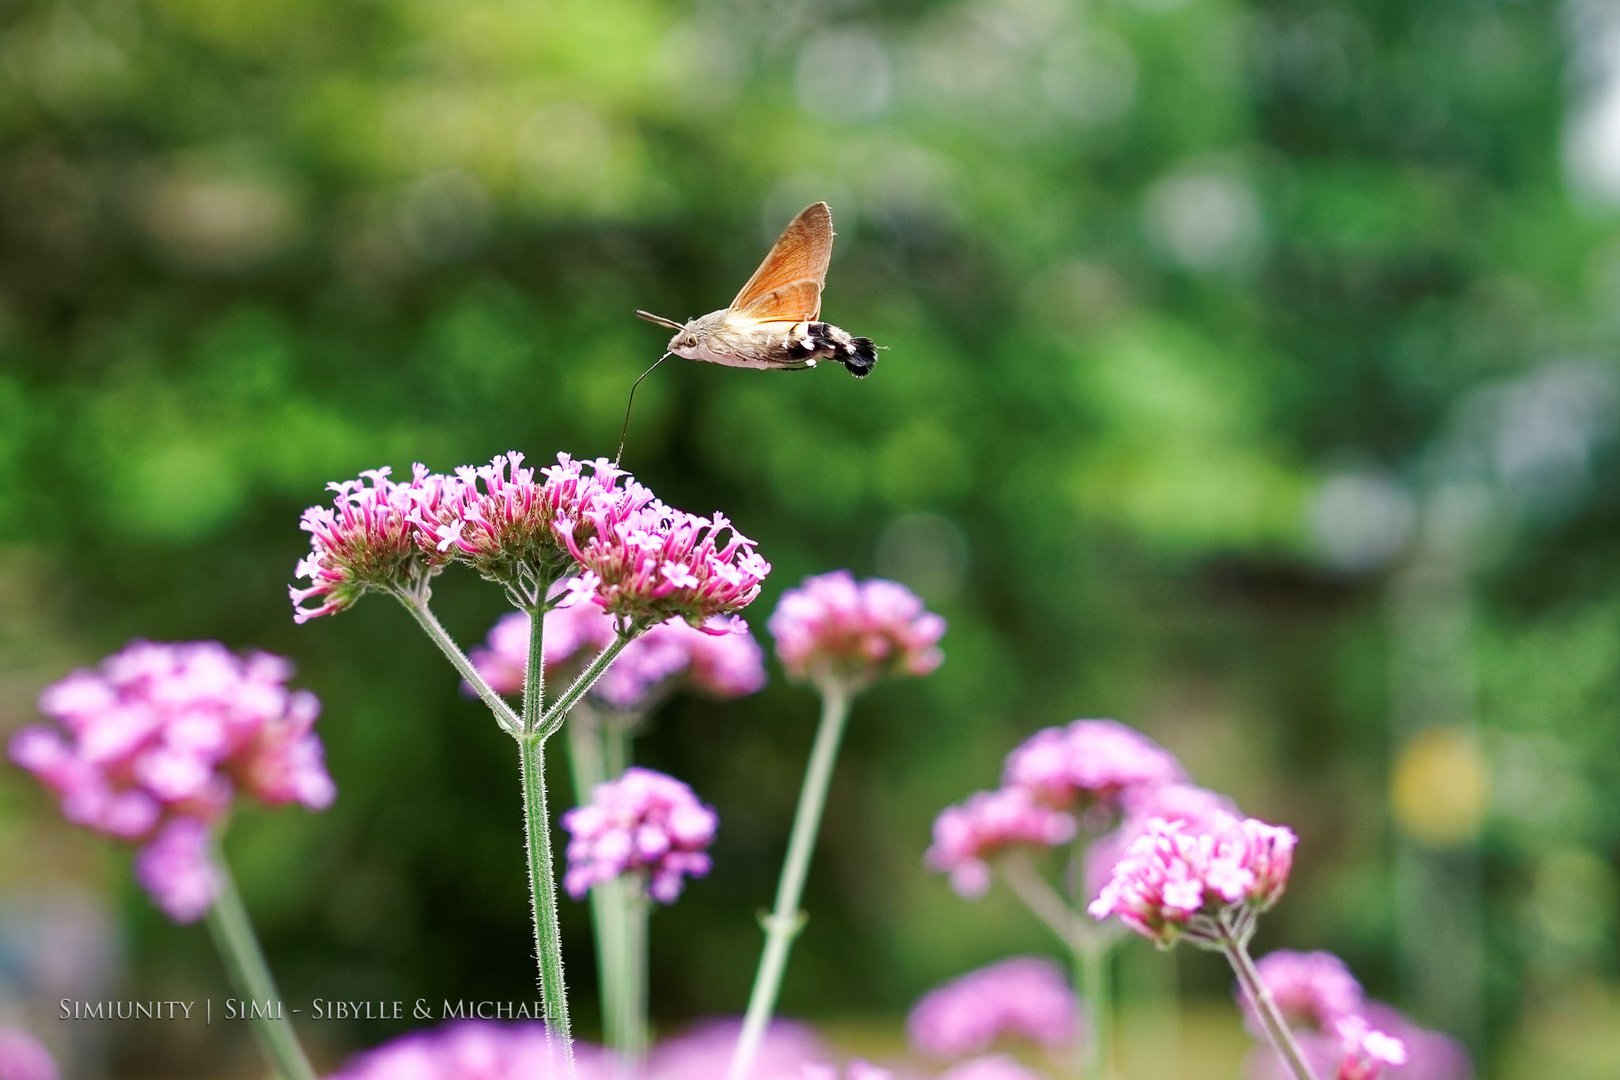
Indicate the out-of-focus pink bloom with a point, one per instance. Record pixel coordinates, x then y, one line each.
475 1050
368 538
23 1057
968 835
997 1067
643 823
1024 997
1313 990
855 1070
176 869
704 1051
1193 806
834 630
1089 763
1363 1052
154 746
724 661
1173 881
1430 1055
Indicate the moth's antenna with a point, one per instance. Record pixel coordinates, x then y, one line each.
625 430
659 319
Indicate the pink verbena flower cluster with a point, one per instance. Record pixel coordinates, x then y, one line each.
1206 884
643 823
1089 763
154 745
835 630
639 559
988 823
1195 807
1023 997
723 661
370 537
1340 1033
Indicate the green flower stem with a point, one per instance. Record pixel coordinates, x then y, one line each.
633 909
586 758
785 920
417 606
1089 947
534 672
537 834
250 975
1091 956
543 895
1235 945
626 913
553 717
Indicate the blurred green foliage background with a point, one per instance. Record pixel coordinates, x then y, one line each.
1250 377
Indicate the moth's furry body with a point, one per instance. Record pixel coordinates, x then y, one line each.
735 340
774 323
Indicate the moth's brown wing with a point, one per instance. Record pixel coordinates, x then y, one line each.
787 285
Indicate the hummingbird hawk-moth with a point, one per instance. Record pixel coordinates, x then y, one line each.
774 322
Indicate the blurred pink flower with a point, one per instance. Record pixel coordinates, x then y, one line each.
154 746
1313 990
176 869
1024 997
475 1050
368 538
1089 763
1335 1054
23 1057
855 1070
968 835
1175 880
1430 1055
1363 1052
989 1068
833 629
643 823
722 664
704 1052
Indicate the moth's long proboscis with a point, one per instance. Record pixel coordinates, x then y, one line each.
624 432
661 321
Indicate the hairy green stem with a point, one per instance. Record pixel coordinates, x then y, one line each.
1234 944
543 895
245 964
417 606
785 920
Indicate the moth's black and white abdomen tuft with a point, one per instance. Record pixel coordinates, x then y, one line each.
862 357
812 341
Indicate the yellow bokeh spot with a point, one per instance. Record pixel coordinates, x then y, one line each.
1440 787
